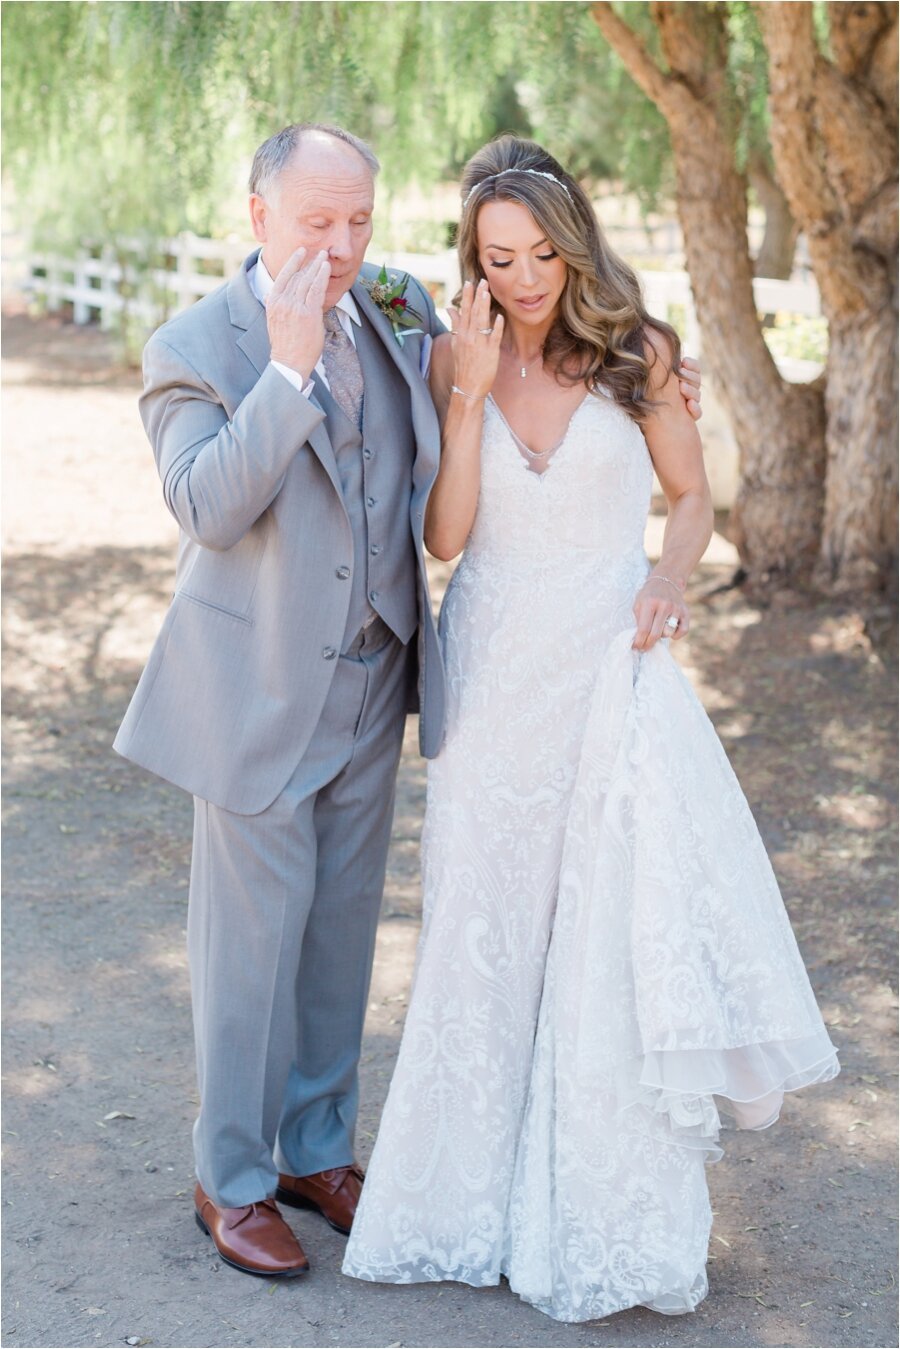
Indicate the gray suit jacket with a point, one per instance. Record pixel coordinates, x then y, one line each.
238 676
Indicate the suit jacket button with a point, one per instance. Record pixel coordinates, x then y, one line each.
342 573
370 501
329 653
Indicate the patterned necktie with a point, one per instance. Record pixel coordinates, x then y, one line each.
345 377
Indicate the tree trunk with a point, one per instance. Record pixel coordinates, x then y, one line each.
776 253
776 519
859 536
834 141
779 427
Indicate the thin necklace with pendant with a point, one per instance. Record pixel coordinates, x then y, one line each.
523 369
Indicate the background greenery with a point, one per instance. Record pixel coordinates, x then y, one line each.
138 120
129 120
132 118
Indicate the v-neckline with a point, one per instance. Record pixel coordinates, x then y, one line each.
525 451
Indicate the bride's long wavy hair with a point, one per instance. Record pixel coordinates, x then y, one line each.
599 337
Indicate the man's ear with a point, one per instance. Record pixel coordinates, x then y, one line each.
258 212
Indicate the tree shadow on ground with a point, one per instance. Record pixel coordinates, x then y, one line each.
802 701
98 1014
52 351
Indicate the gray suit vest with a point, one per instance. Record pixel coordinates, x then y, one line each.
375 470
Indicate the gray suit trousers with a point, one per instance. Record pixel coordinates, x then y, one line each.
281 932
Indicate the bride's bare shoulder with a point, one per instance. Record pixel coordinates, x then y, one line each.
660 356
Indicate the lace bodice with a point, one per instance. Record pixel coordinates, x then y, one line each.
592 497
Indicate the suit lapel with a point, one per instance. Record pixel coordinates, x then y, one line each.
247 314
254 340
401 354
424 417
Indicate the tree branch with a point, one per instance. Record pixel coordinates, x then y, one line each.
860 146
695 44
656 84
788 35
855 30
883 69
799 155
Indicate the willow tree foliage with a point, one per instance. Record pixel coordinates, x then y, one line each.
112 116
125 119
134 118
130 117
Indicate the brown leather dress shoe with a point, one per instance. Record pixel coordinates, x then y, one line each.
254 1239
334 1193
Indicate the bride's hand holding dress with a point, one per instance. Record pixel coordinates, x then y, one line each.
674 445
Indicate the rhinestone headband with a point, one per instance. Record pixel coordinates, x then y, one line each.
537 173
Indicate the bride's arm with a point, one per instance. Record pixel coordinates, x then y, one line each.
674 445
462 372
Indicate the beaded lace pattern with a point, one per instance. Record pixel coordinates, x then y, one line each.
605 959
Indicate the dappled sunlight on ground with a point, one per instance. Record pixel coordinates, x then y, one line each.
98 1059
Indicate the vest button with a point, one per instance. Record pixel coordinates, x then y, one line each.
367 454
342 573
329 653
375 549
370 501
373 595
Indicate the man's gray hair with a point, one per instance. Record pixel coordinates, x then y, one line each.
273 154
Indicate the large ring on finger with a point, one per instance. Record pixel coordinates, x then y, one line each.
671 622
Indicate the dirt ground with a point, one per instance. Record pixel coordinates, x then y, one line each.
100 1242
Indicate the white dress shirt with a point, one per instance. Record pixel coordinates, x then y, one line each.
348 314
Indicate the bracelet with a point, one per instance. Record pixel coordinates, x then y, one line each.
668 580
475 397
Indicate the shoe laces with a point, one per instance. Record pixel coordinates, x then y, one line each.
254 1209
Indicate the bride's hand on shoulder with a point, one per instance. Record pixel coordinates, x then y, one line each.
658 602
689 379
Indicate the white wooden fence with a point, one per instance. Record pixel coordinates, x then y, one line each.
115 285
104 283
152 282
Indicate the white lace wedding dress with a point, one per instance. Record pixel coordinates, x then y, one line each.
605 956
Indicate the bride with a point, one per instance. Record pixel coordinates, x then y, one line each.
605 958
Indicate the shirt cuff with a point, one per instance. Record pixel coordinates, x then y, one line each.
306 387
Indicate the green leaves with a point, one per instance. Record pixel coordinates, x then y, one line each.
138 118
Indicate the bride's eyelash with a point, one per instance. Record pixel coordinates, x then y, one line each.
541 257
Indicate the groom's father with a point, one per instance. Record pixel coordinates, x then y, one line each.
296 443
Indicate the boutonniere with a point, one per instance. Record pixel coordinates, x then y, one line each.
386 293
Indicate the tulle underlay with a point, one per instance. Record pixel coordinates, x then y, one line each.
687 1089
